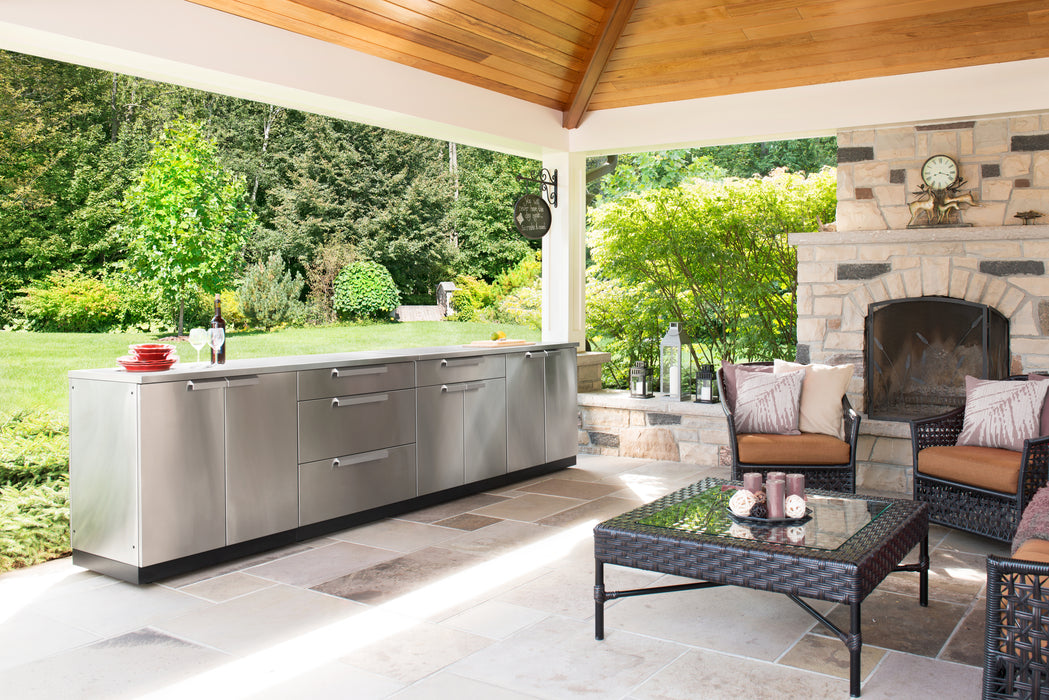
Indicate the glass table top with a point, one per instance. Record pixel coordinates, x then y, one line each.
833 521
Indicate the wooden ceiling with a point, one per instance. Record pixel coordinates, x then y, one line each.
582 55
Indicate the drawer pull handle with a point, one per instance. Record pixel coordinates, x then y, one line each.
250 380
474 386
340 401
205 384
454 388
340 372
362 458
468 362
530 355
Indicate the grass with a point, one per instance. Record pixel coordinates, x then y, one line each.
33 366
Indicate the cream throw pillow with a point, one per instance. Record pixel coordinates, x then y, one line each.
821 394
768 403
1001 414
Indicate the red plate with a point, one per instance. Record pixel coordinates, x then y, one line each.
132 365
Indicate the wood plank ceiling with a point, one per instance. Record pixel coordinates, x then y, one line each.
582 55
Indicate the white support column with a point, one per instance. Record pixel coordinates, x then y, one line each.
564 253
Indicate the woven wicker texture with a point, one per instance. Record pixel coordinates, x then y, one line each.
835 477
982 512
1016 656
843 575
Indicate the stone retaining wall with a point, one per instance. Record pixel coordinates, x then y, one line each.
612 423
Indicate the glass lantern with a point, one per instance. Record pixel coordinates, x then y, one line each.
675 364
640 381
706 384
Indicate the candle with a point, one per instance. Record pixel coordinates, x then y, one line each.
675 381
774 489
752 481
775 475
796 485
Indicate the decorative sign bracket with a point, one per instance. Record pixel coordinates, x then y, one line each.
548 183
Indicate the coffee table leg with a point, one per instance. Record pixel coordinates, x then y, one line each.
923 573
855 644
599 600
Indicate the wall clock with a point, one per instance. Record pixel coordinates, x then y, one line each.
939 172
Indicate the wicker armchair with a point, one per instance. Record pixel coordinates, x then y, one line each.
1016 657
971 508
837 476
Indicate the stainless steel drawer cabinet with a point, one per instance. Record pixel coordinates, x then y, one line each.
345 425
331 488
349 380
452 370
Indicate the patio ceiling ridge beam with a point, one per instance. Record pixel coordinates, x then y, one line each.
615 22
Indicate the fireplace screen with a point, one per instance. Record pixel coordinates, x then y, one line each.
919 351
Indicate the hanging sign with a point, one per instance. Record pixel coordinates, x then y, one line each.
532 216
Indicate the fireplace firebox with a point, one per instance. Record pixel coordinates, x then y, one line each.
920 349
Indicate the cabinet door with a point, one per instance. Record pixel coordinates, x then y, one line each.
346 425
562 412
182 469
525 410
332 488
439 439
484 437
261 468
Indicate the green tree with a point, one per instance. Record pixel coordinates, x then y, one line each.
797 155
717 256
187 218
636 172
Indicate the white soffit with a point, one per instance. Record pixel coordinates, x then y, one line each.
184 43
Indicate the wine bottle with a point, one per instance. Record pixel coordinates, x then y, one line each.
218 356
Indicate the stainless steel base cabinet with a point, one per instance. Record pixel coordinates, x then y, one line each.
525 409
561 404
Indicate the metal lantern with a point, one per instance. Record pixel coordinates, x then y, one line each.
675 364
640 381
706 385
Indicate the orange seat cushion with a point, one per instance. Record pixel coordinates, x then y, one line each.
984 467
807 448
1034 550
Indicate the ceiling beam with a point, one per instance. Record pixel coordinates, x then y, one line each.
615 21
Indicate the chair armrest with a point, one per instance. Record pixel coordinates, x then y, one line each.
1034 468
942 430
852 423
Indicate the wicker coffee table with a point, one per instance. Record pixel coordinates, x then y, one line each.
850 544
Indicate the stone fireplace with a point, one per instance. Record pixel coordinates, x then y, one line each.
986 280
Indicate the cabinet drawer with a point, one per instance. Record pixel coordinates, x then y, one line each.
460 369
346 425
334 487
346 381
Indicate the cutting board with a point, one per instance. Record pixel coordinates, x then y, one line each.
505 342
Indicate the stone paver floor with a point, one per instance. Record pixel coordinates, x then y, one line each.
486 597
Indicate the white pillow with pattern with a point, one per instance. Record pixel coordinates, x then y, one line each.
1001 414
768 403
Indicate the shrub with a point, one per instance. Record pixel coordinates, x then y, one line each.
329 258
474 300
34 523
34 447
200 307
269 294
505 300
365 290
72 302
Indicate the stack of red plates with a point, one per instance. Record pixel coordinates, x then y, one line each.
149 357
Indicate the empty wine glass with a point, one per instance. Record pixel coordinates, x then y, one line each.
216 337
198 338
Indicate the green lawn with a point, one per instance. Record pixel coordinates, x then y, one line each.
33 366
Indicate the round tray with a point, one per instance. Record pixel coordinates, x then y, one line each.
770 521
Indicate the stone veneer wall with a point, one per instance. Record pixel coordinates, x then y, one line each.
1005 161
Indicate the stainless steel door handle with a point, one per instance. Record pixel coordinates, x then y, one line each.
453 388
364 457
529 355
249 380
340 401
340 372
467 362
474 386
205 384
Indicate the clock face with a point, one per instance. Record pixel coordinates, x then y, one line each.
940 172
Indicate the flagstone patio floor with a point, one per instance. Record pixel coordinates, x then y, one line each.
489 596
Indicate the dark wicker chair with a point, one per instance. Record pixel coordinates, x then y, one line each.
972 509
1016 657
832 477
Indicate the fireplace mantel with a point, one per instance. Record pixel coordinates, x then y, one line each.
1032 232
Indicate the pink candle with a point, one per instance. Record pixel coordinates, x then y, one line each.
752 481
774 491
796 485
775 475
